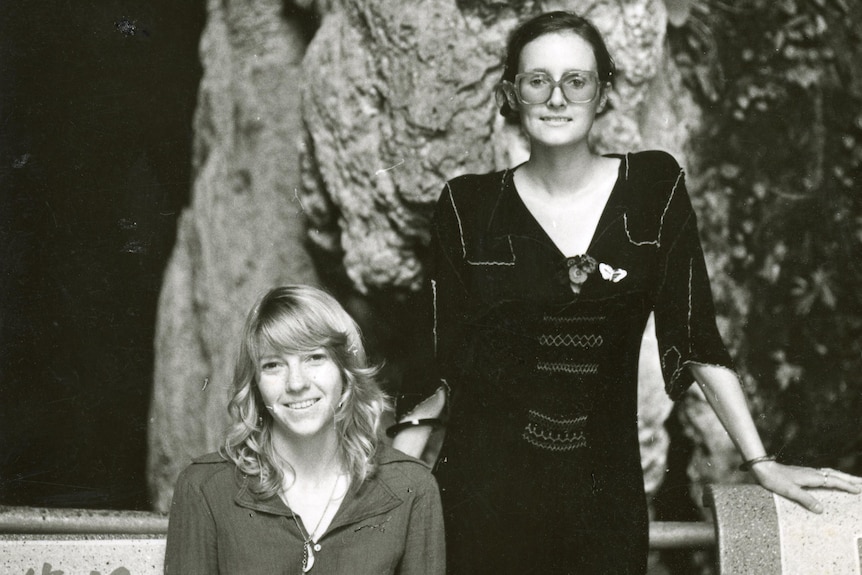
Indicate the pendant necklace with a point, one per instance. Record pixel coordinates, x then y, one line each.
308 544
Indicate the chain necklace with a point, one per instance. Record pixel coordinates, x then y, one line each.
307 548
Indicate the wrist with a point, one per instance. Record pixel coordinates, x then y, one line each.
749 464
430 422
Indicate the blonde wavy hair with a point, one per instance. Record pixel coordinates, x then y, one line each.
299 318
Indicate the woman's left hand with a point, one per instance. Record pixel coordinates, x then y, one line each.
792 482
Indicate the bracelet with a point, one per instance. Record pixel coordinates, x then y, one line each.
746 465
434 422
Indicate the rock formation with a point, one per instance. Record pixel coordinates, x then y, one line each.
242 233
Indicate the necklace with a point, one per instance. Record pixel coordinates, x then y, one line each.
307 548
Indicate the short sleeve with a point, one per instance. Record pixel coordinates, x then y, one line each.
684 308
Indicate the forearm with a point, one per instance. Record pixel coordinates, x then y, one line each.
724 394
414 439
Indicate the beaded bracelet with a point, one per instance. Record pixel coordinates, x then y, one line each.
434 422
746 465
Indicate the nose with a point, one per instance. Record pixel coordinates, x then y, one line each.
557 98
295 379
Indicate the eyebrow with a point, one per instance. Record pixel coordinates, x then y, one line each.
548 72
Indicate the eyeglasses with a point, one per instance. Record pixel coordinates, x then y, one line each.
578 87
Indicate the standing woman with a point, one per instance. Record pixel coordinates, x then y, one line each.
543 279
302 483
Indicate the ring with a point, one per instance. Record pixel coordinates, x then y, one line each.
825 478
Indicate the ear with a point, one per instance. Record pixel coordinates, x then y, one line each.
505 94
603 98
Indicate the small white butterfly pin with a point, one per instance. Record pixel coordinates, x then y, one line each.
612 274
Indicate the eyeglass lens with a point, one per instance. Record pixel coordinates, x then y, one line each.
577 87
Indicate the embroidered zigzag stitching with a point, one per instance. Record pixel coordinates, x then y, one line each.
573 319
572 368
556 422
570 340
555 442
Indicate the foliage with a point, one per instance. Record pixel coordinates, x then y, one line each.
781 86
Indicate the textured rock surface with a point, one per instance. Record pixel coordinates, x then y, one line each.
242 233
402 105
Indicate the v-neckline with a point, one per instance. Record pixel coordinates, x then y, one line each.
604 217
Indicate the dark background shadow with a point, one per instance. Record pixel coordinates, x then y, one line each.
96 104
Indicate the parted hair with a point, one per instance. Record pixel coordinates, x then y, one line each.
550 23
297 318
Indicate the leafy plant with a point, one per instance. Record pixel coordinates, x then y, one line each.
781 87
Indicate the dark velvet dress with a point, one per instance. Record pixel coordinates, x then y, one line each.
540 470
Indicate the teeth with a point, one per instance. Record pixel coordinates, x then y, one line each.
302 404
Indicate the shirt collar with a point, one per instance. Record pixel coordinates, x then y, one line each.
373 497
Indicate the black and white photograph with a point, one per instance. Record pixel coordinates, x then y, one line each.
431 287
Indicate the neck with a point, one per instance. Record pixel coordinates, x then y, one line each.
313 460
561 171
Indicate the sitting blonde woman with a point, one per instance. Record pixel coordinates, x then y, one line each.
302 482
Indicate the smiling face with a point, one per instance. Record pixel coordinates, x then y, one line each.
558 122
301 390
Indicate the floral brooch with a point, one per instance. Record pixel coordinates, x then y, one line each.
578 270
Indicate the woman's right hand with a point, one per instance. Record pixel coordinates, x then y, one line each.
793 482
414 441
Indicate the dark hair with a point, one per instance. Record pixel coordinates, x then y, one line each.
550 23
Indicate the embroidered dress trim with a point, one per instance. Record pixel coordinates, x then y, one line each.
570 368
509 262
572 319
657 241
554 433
570 340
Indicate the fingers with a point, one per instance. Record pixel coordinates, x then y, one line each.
838 480
853 479
806 500
793 489
793 483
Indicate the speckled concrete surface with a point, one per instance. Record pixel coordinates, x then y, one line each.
825 544
760 533
80 521
84 555
746 530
